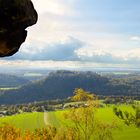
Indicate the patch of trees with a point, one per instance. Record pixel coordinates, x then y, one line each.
119 100
49 105
9 132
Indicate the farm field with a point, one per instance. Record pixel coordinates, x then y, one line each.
25 121
9 88
37 120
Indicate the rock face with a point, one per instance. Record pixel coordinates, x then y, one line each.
15 17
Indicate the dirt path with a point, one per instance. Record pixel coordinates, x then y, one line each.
45 116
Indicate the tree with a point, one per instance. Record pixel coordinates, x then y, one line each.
84 125
82 95
129 118
9 132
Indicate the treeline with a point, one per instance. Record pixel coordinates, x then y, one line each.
60 104
8 110
61 84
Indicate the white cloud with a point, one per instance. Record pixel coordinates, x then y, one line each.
135 38
90 54
62 50
72 49
57 7
104 56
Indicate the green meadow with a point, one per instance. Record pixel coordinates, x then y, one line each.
25 121
36 120
106 114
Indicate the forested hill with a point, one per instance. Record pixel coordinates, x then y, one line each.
61 84
7 81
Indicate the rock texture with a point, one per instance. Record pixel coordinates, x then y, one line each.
15 17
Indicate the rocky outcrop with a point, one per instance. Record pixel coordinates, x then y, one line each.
15 17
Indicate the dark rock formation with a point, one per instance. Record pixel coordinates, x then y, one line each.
15 17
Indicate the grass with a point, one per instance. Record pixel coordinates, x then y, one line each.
36 120
25 121
106 114
123 132
53 119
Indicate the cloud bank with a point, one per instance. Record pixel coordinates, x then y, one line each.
72 49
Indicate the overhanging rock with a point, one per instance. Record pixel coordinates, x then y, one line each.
15 17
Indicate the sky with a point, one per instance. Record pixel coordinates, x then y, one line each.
81 34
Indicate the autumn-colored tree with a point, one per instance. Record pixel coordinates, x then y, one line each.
84 125
8 132
82 95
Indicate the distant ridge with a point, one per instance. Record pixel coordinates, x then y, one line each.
61 84
7 81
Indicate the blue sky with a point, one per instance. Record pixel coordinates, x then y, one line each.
82 33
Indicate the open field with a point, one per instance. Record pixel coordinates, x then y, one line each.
106 114
26 120
123 132
9 88
36 120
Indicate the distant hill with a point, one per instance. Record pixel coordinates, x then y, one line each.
7 81
61 84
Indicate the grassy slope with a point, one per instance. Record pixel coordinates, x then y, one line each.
104 114
123 132
36 120
26 120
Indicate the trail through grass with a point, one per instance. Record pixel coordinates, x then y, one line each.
35 120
